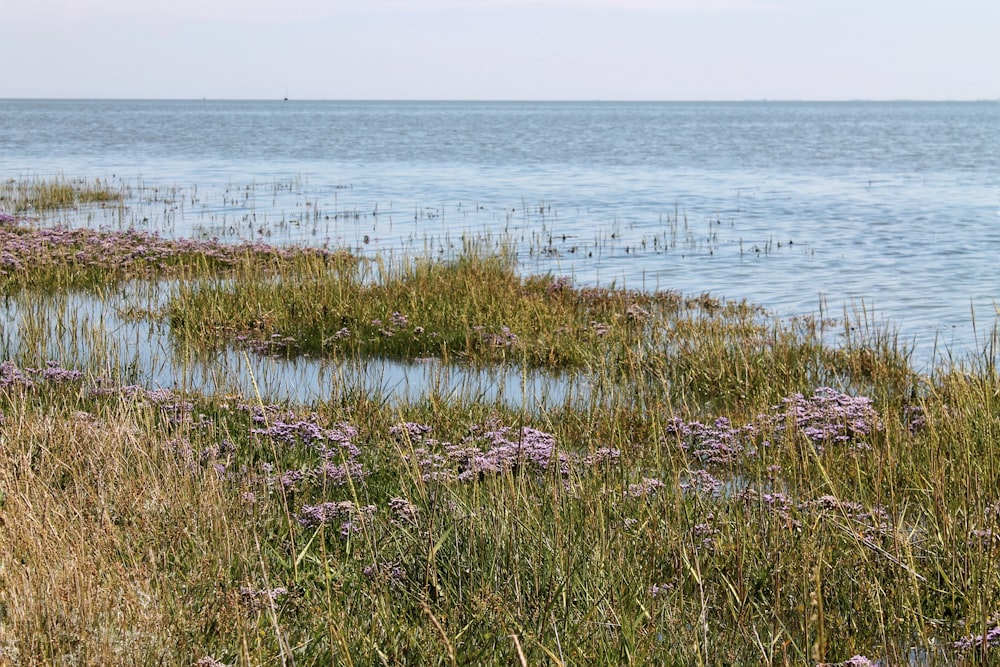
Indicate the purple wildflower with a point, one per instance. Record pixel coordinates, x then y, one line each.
720 443
647 487
981 642
660 590
403 510
702 482
560 284
704 534
257 598
636 313
386 571
209 661
56 374
352 517
12 376
829 417
855 661
410 430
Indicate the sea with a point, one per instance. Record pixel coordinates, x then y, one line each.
887 213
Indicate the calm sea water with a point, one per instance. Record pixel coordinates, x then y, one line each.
893 207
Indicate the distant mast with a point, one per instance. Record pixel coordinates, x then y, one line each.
286 93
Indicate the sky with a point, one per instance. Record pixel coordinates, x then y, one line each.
501 49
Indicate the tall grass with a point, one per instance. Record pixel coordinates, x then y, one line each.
736 491
39 195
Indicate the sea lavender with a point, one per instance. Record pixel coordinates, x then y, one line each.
981 642
660 590
56 374
701 481
855 661
829 417
559 285
718 443
257 598
386 571
647 487
351 517
12 376
403 510
409 430
209 661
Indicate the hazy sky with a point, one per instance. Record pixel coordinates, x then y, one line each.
501 49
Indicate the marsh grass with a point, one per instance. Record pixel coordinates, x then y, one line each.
62 258
477 310
39 195
735 491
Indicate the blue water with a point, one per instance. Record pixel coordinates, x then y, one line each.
893 207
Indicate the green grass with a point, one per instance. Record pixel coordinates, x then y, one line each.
704 506
40 195
478 310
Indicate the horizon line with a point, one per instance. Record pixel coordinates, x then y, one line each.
511 100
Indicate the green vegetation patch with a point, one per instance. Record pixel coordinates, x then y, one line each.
478 310
39 195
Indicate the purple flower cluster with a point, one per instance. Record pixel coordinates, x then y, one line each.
409 431
387 571
660 590
701 481
987 536
505 449
829 417
307 432
981 642
403 511
602 456
12 376
351 517
338 454
167 401
915 418
717 443
494 449
53 373
257 598
122 251
275 345
209 661
506 337
262 414
559 285
854 661
599 328
647 487
703 534
869 523
636 313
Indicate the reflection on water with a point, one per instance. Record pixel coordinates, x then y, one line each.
112 332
